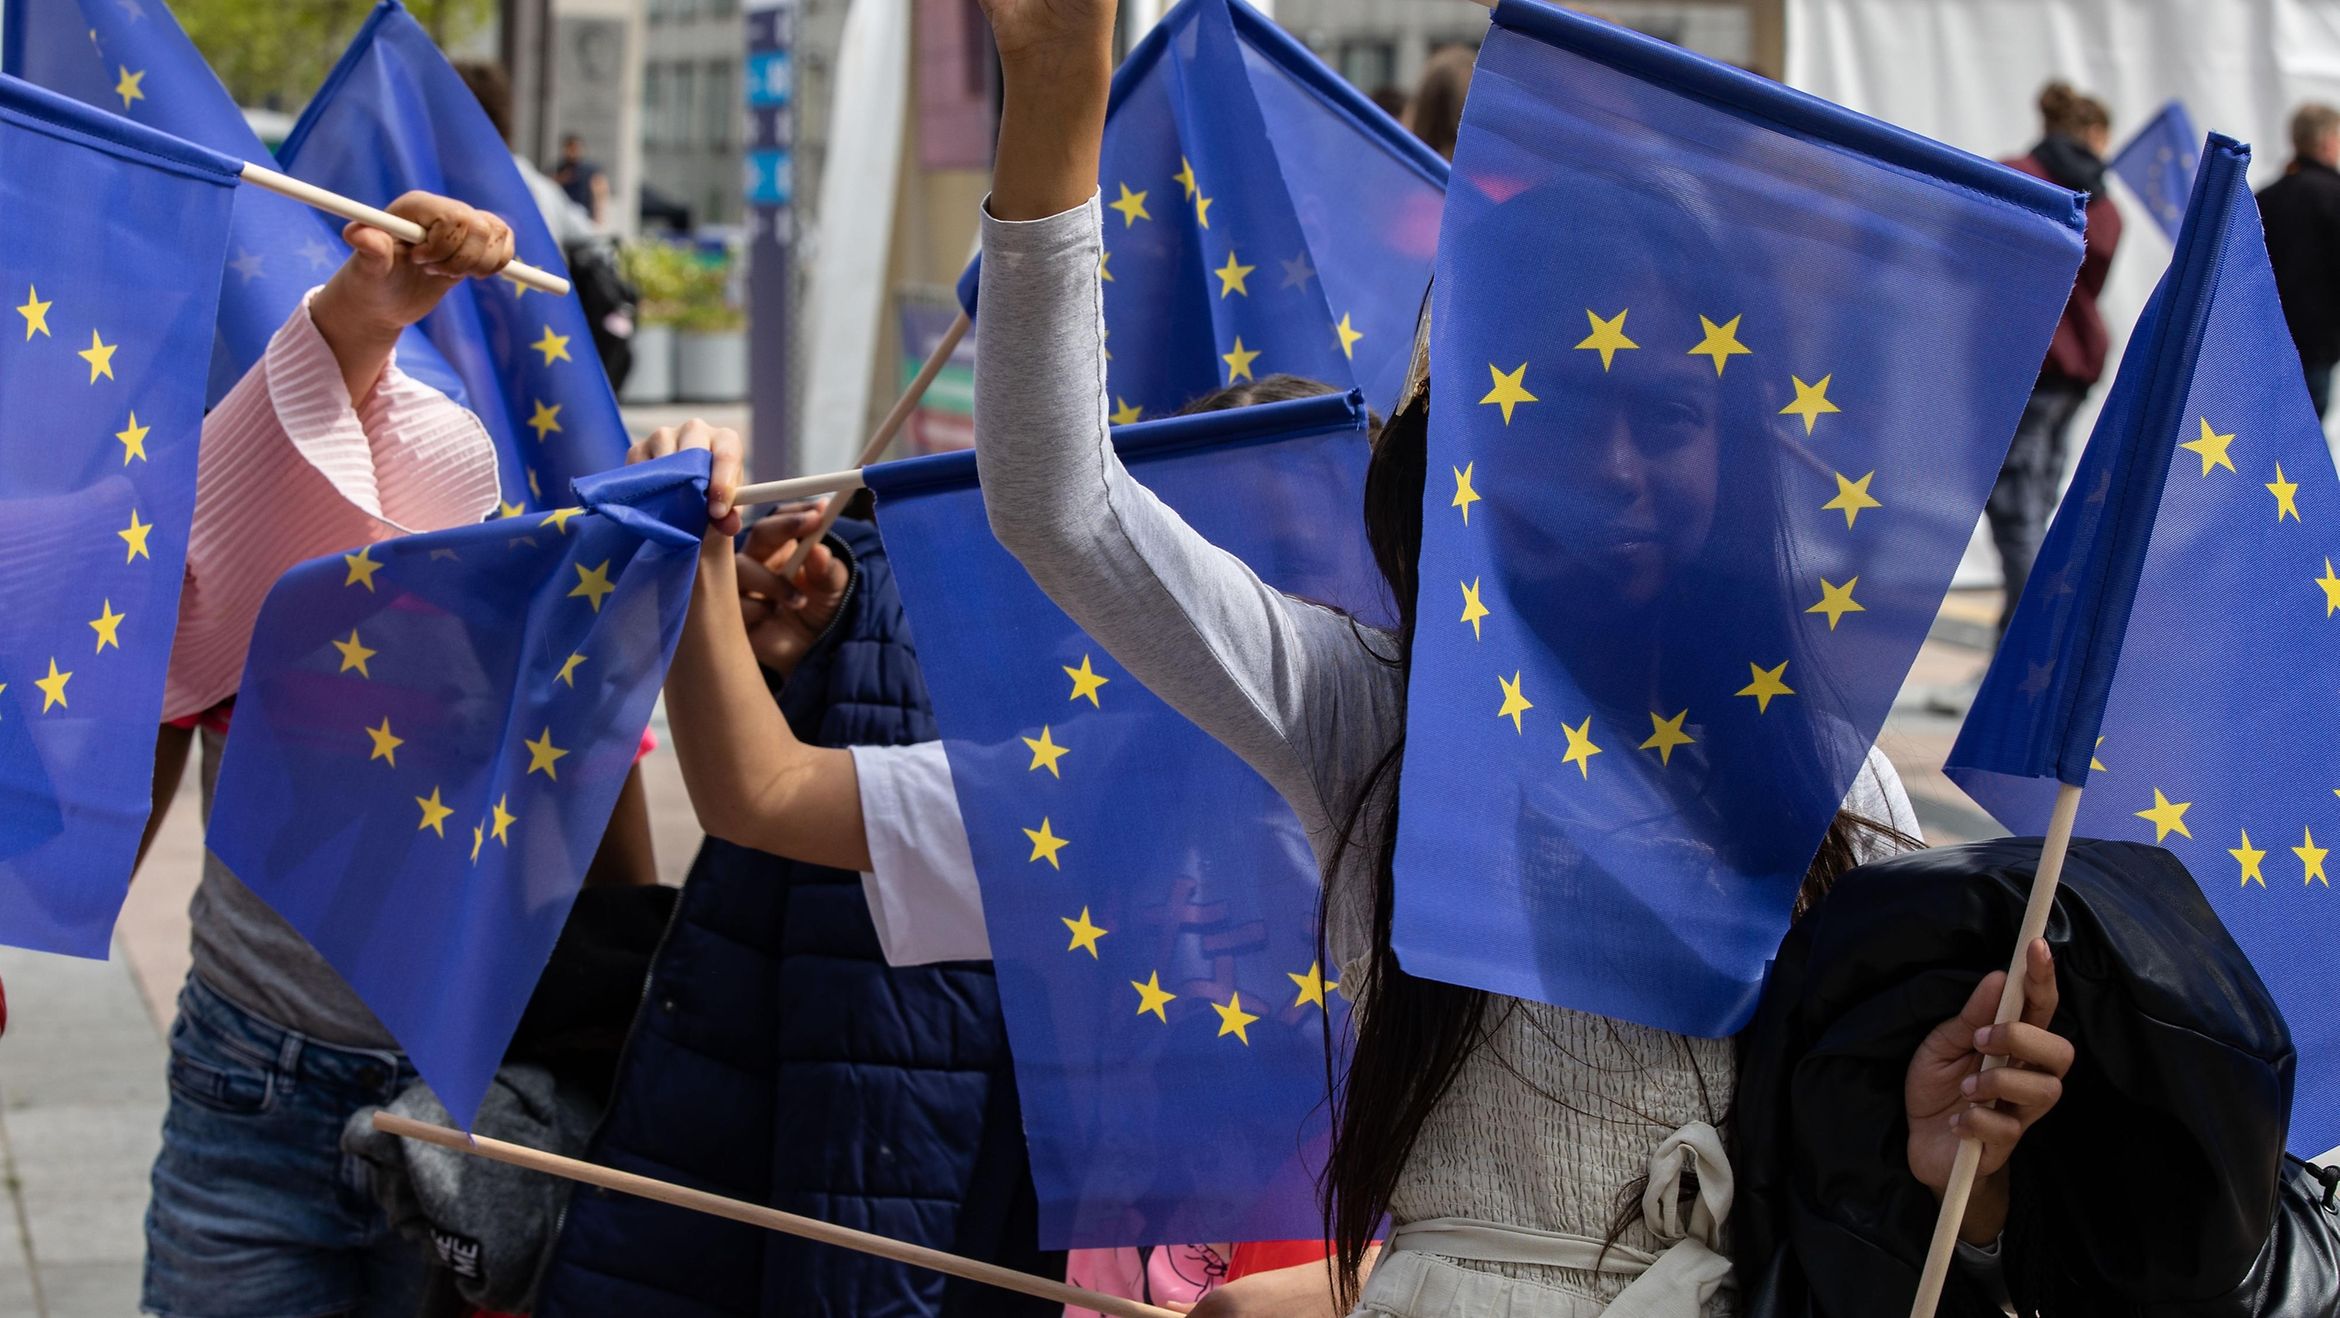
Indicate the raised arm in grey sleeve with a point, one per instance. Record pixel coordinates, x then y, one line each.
1261 672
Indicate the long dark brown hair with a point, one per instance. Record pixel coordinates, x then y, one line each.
1413 1035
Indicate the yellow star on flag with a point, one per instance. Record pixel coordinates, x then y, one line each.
1580 746
354 655
2331 585
1233 1019
127 85
52 687
1202 208
1084 934
1238 361
1852 498
133 437
1349 336
1311 985
135 537
1045 844
1152 997
1185 176
1086 681
2286 495
2096 765
2311 859
504 509
2167 817
1473 610
593 584
1232 275
362 568
1514 704
385 744
1764 684
503 821
1510 389
555 347
1837 601
478 836
2249 856
1125 413
568 673
35 313
434 813
1045 753
108 625
1811 401
1464 495
558 518
100 356
542 754
546 419
1104 266
1721 342
1132 206
1665 734
1607 338
2212 447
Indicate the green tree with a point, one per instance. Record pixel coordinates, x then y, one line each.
274 54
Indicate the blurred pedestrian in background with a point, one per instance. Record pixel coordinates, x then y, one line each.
2302 213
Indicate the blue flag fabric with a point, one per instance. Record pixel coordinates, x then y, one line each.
130 57
394 116
2204 518
430 736
1723 375
1263 218
2158 165
1151 901
101 408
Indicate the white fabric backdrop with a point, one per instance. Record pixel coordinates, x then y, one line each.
1968 71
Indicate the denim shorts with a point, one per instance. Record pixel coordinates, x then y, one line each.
256 1212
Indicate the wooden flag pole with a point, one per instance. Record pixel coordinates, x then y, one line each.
1969 1161
896 418
771 1219
406 231
798 487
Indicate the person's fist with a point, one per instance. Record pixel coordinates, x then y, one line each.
728 451
387 284
785 616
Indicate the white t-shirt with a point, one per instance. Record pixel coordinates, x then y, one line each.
921 881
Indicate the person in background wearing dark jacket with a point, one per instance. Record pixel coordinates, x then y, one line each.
2076 129
2302 213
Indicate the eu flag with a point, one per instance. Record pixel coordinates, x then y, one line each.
2158 165
1151 901
130 57
2204 520
110 242
1262 217
1723 373
392 117
430 736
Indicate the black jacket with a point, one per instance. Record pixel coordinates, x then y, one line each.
2302 213
2157 1187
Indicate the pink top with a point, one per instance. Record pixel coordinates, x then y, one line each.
289 471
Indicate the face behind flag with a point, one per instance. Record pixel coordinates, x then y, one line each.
2174 649
131 58
101 408
430 735
1262 218
1722 374
1151 901
392 117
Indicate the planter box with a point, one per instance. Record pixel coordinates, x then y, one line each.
651 379
711 368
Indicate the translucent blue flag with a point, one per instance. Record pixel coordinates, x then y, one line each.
1723 374
1151 900
130 57
2202 521
430 736
1262 217
2158 165
110 241
394 116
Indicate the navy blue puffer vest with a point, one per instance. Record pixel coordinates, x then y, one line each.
778 1059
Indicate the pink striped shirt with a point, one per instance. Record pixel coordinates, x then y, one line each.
291 470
